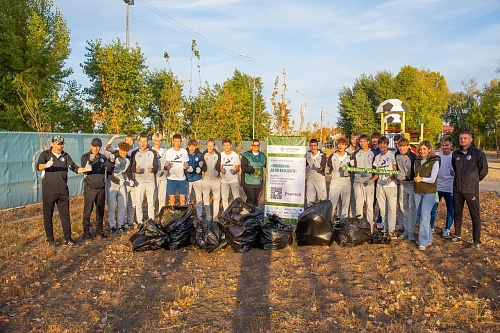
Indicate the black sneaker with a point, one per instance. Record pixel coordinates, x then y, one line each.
70 242
125 228
52 242
113 230
456 239
475 245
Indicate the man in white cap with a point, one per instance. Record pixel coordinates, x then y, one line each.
55 163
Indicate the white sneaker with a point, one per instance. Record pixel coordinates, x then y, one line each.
446 233
421 248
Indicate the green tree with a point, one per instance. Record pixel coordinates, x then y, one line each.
118 93
165 103
426 94
34 43
490 109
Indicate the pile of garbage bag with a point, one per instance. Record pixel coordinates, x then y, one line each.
208 236
314 225
352 231
275 234
172 232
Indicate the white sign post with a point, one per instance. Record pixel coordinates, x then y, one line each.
285 179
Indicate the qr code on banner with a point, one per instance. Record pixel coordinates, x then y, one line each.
277 193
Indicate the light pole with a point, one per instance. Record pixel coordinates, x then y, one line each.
302 111
321 125
253 95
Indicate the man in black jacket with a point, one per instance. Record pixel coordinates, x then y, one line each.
54 164
470 167
94 188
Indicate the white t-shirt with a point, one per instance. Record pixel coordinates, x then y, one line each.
177 158
386 162
229 162
446 174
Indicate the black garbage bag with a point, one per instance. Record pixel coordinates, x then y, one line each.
352 231
170 233
241 223
275 234
314 225
208 236
149 237
379 237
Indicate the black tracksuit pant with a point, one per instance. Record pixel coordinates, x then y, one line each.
252 194
91 197
62 201
472 200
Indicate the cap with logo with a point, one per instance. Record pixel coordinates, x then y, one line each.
58 139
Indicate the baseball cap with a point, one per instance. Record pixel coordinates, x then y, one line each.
96 142
58 139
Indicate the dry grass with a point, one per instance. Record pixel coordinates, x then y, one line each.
102 286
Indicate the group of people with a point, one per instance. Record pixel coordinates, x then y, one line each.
126 175
402 184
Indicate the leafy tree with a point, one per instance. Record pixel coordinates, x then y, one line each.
490 109
118 92
165 103
426 94
34 43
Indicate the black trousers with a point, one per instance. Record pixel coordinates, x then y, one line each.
252 194
93 197
472 200
62 201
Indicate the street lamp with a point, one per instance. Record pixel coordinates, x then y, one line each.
321 125
253 95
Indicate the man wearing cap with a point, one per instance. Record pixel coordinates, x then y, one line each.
55 163
94 192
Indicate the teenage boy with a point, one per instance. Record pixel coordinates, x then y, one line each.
119 176
445 185
316 180
470 166
405 158
161 175
193 175
176 162
364 182
340 185
144 167
130 140
253 163
210 166
230 167
94 192
387 191
354 139
55 163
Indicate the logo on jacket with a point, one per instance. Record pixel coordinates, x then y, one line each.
468 157
61 159
177 157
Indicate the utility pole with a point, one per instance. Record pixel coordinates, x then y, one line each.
321 130
127 38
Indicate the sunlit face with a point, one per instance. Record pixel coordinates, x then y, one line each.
383 147
403 149
57 148
176 143
465 140
423 151
314 147
157 142
446 147
122 153
210 146
341 146
130 141
226 146
192 149
255 147
363 143
95 149
354 141
143 143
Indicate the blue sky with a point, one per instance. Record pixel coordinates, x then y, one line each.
324 45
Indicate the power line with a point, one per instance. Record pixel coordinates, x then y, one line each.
200 36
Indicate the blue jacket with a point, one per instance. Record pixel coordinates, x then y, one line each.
194 161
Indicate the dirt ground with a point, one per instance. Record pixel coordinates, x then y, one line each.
102 286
